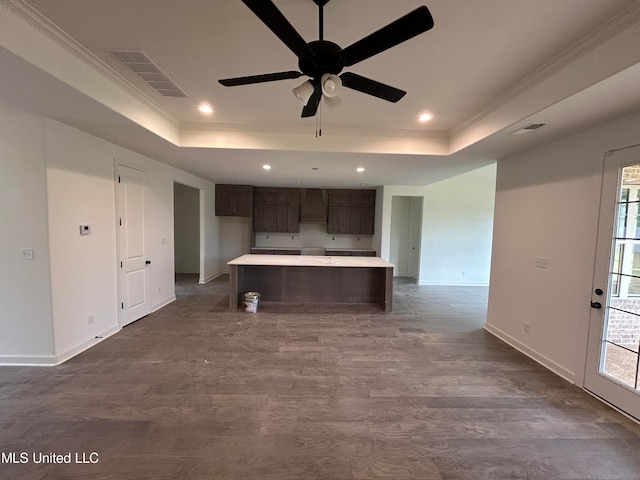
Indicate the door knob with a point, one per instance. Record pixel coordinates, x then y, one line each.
596 305
147 262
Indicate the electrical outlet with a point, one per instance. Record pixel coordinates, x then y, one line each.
90 320
541 262
27 253
527 328
159 289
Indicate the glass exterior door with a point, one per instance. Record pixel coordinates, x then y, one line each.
613 358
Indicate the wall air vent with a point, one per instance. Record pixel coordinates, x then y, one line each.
528 128
149 72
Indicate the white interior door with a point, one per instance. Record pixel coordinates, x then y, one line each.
613 358
133 262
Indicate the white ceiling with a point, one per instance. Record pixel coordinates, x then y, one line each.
485 69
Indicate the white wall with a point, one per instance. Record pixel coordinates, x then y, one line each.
235 238
25 298
56 178
186 222
547 206
457 219
81 189
457 229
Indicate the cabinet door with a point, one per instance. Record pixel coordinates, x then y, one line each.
340 253
339 220
364 199
243 199
339 199
265 219
364 254
367 220
224 201
265 196
294 219
234 200
286 196
288 219
355 220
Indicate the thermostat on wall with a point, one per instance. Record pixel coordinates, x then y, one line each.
85 230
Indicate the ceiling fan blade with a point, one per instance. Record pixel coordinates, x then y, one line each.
311 107
267 77
412 24
266 11
371 87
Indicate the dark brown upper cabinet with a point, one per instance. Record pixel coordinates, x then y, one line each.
352 212
277 210
234 200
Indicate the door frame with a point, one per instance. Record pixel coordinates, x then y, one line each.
418 229
602 386
201 227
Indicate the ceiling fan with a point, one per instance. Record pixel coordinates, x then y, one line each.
322 60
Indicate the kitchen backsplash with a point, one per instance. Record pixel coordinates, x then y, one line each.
313 235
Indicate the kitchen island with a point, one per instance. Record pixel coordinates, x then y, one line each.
311 279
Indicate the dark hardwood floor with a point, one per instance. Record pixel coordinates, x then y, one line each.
194 391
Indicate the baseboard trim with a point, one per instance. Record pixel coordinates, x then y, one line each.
163 303
532 354
210 278
27 360
63 357
54 360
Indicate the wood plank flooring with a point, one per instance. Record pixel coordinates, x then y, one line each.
194 391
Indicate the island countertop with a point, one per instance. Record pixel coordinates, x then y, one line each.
310 261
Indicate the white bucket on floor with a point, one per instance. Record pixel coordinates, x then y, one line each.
251 302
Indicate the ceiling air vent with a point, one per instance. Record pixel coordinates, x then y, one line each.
528 128
143 67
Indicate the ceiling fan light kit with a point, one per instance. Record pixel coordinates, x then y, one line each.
323 61
304 91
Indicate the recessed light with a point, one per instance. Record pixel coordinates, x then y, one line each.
206 109
363 184
360 169
425 117
266 167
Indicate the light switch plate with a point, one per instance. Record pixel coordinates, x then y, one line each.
27 253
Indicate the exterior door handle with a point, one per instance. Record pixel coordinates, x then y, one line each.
596 305
147 262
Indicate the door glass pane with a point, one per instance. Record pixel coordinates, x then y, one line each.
621 364
623 212
618 258
621 336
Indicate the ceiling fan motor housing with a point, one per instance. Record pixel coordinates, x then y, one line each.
326 59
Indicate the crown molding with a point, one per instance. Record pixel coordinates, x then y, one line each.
616 25
50 30
305 130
